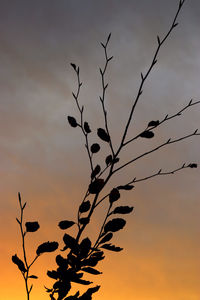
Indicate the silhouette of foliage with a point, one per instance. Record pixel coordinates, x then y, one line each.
80 256
23 265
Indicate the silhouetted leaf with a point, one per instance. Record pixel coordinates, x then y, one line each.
74 297
88 294
63 288
82 281
87 127
32 226
116 160
153 123
16 260
85 247
126 187
65 224
114 225
122 210
52 274
48 290
47 247
61 261
106 238
70 242
84 221
72 121
33 276
147 134
102 134
95 148
193 165
96 186
111 247
108 160
96 171
91 270
73 66
85 206
114 195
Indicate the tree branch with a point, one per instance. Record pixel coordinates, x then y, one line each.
104 87
156 148
144 77
81 125
166 118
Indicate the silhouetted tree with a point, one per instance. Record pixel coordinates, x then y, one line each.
82 255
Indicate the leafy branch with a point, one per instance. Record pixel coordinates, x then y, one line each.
23 265
83 255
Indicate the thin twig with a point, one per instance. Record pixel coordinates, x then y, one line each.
104 87
144 77
169 141
166 118
81 109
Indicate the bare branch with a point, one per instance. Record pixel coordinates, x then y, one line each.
166 118
144 77
160 173
81 109
169 141
104 87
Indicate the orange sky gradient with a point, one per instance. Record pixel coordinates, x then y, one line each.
44 159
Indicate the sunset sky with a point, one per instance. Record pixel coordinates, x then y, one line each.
45 159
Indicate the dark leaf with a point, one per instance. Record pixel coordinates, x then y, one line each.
126 187
114 195
73 66
87 127
96 171
70 242
63 289
85 206
116 160
32 226
47 247
153 123
74 297
123 210
114 225
111 247
147 134
96 186
85 247
102 134
108 160
84 221
88 294
65 224
93 260
95 148
82 281
72 121
61 261
106 238
52 274
48 290
91 271
33 277
16 260
193 166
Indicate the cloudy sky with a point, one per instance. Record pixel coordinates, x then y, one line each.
44 158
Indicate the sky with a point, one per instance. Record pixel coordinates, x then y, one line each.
45 159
